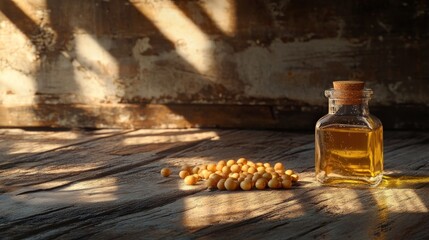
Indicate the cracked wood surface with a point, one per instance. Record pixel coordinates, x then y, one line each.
106 184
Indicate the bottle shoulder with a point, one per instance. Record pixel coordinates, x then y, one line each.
332 120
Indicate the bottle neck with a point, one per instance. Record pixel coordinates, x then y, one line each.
338 107
349 102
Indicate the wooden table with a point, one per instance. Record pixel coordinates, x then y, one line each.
106 184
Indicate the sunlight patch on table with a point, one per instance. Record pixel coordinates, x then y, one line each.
58 169
90 191
171 138
401 200
36 143
222 207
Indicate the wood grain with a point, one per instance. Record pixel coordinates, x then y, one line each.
110 188
270 115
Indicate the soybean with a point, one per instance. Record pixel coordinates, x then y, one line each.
238 174
246 185
231 184
165 172
183 174
261 183
190 180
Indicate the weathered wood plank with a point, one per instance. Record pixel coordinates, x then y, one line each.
267 115
92 161
280 54
236 52
148 116
16 144
125 197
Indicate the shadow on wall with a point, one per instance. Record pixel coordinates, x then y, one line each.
92 53
120 32
114 30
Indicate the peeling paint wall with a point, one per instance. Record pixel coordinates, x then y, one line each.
280 53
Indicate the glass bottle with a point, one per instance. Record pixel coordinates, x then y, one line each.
349 140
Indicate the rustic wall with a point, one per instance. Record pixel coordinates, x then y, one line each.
121 63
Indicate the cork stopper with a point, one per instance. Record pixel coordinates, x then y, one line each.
349 92
350 85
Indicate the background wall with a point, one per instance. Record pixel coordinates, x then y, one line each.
209 63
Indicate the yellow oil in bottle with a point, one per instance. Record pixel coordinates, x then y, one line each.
349 155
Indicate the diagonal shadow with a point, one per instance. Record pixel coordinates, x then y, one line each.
24 23
53 62
104 19
125 25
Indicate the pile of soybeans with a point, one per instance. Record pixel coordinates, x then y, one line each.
241 174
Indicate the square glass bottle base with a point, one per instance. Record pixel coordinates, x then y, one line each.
342 181
349 156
